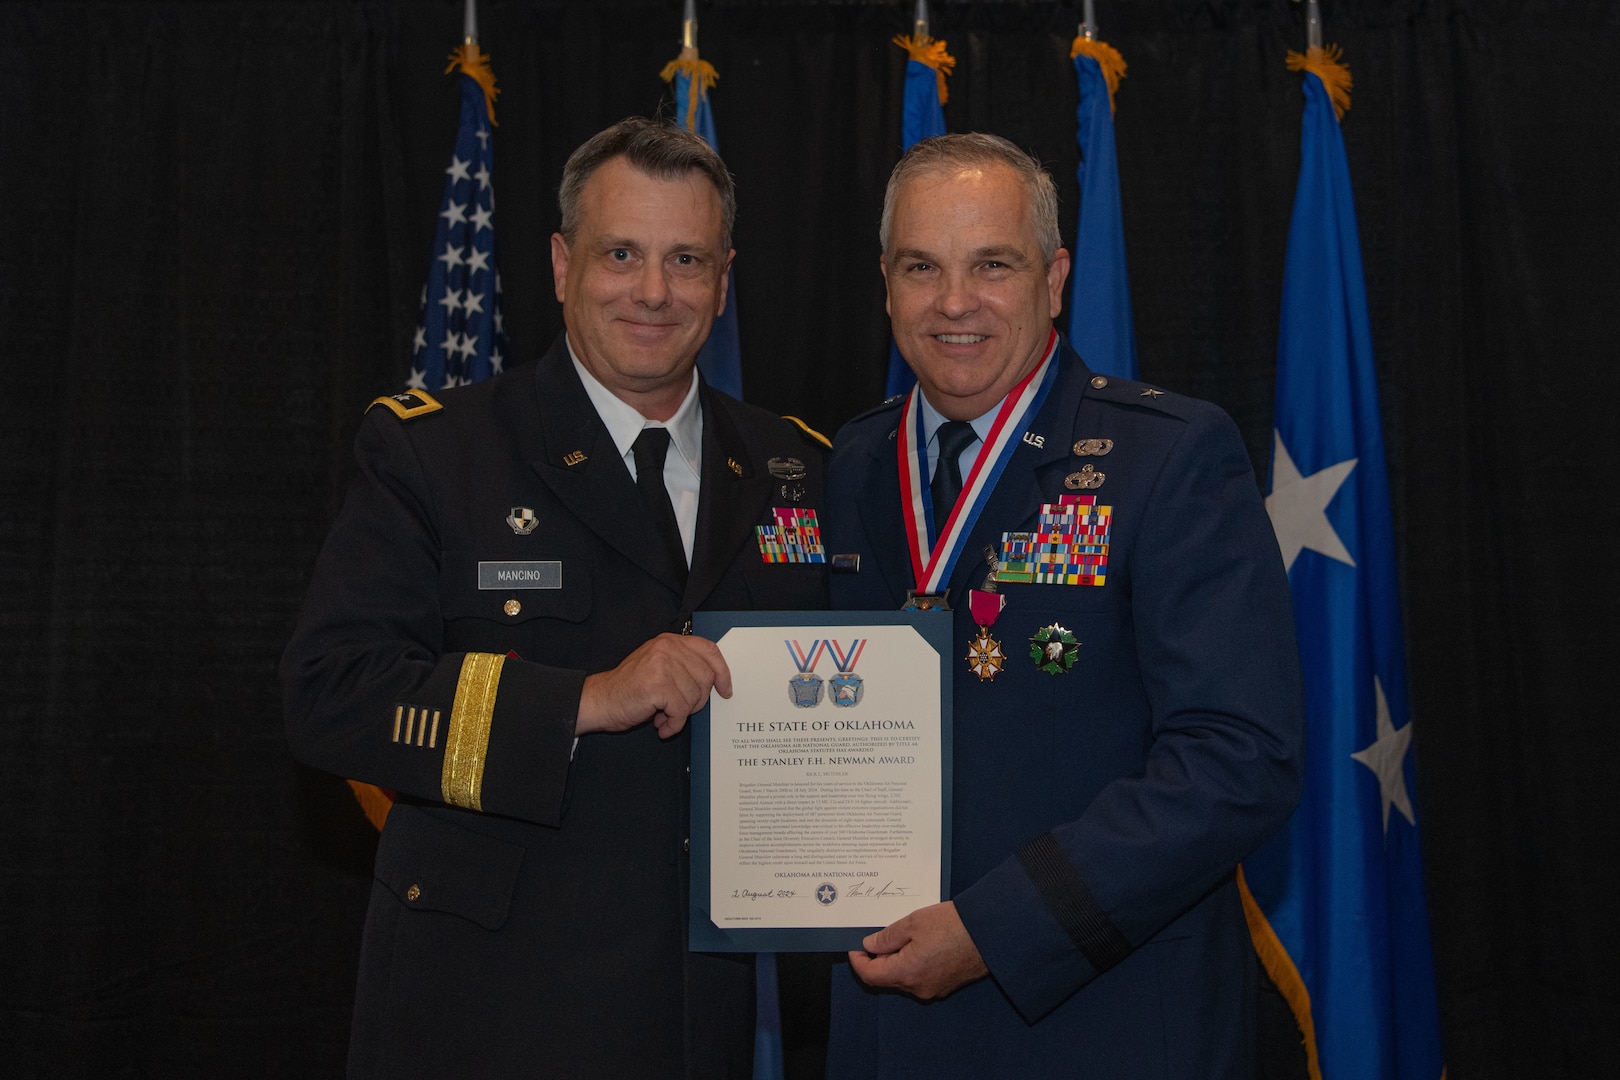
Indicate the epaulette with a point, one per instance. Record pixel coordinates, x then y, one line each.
410 404
883 406
1131 392
810 431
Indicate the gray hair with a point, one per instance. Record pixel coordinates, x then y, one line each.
948 153
659 149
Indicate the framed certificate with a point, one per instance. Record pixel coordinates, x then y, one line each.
821 789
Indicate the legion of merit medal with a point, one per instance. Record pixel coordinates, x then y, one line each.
845 689
985 657
1054 649
804 689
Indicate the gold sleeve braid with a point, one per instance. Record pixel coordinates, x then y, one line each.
466 744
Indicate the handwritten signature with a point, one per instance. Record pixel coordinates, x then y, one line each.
870 889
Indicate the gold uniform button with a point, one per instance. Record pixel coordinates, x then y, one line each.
513 607
413 892
1098 382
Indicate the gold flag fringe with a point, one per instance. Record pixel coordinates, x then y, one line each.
1107 57
703 77
931 52
1334 73
1280 966
374 801
474 62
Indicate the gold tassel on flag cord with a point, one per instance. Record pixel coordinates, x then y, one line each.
1280 966
474 62
700 72
929 52
1325 64
1107 57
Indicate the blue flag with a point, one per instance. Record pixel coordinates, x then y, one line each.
922 116
1336 903
461 334
1099 289
720 359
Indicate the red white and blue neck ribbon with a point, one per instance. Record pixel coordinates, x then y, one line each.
805 659
931 567
846 659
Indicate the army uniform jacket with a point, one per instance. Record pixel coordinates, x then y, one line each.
528 910
1099 813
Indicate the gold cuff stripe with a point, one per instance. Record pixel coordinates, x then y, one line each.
467 741
399 714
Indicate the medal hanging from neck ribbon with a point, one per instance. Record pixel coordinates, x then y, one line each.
931 565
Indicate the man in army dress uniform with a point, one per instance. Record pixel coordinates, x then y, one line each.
1127 706
498 631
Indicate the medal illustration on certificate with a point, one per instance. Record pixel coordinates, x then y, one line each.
845 689
804 689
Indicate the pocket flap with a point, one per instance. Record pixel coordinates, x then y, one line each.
434 865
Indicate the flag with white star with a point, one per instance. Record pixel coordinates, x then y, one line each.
461 334
1338 909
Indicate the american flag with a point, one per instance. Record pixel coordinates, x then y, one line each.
461 335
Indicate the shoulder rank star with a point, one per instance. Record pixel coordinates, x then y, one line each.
1054 649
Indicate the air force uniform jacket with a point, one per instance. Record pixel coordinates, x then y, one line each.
1099 814
528 912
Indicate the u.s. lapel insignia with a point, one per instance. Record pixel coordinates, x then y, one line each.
522 520
731 463
573 457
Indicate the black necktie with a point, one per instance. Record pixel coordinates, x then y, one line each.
954 437
650 448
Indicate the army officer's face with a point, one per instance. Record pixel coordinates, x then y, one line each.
642 281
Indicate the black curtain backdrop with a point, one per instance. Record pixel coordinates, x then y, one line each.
215 221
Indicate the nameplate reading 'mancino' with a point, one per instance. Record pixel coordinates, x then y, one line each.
520 575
